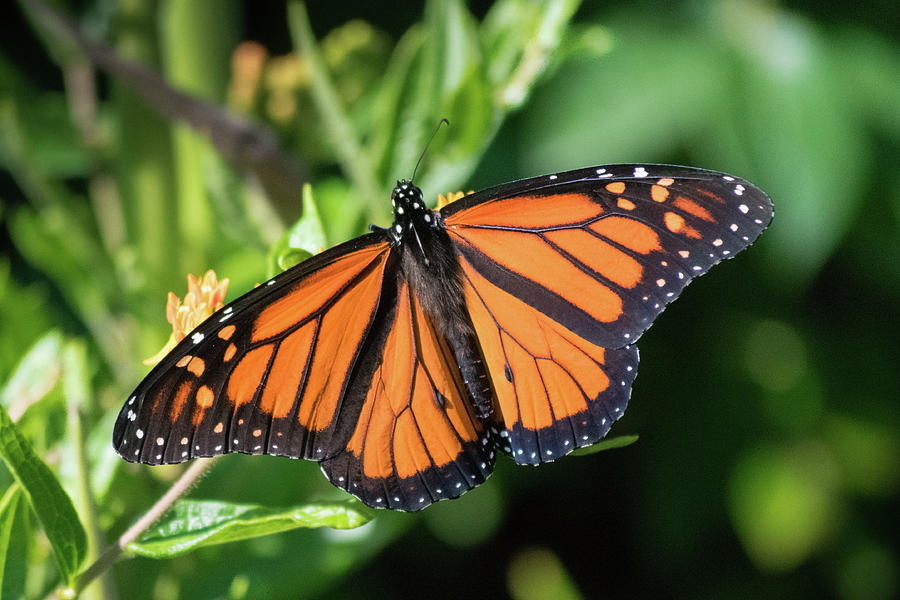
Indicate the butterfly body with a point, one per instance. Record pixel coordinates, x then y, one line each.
405 359
428 263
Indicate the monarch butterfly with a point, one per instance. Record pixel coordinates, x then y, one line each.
403 360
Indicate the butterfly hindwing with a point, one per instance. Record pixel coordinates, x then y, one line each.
416 439
260 376
555 390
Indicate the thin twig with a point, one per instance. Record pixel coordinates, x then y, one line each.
251 148
115 552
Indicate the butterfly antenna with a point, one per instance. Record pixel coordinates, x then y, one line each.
421 156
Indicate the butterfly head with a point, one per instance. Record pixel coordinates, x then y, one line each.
409 209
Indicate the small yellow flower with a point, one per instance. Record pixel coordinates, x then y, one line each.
451 197
204 297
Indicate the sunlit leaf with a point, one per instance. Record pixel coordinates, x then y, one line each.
50 502
36 374
196 523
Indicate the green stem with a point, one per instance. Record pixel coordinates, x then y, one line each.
144 160
354 160
116 551
196 60
75 381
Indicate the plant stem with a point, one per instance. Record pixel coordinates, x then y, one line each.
115 552
77 392
195 60
354 160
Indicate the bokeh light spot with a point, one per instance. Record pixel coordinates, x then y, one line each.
537 573
775 355
782 504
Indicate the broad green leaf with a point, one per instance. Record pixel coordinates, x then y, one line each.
608 444
799 126
627 121
51 504
196 523
35 375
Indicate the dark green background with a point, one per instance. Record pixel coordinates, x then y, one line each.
767 401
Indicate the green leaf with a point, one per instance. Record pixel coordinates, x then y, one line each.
9 505
306 238
35 375
608 444
51 504
196 523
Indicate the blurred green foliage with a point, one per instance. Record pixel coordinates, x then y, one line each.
767 405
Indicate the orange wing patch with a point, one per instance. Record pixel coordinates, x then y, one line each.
528 254
531 211
417 439
312 292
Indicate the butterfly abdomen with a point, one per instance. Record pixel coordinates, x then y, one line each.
438 285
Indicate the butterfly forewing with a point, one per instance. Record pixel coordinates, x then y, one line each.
266 373
603 250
